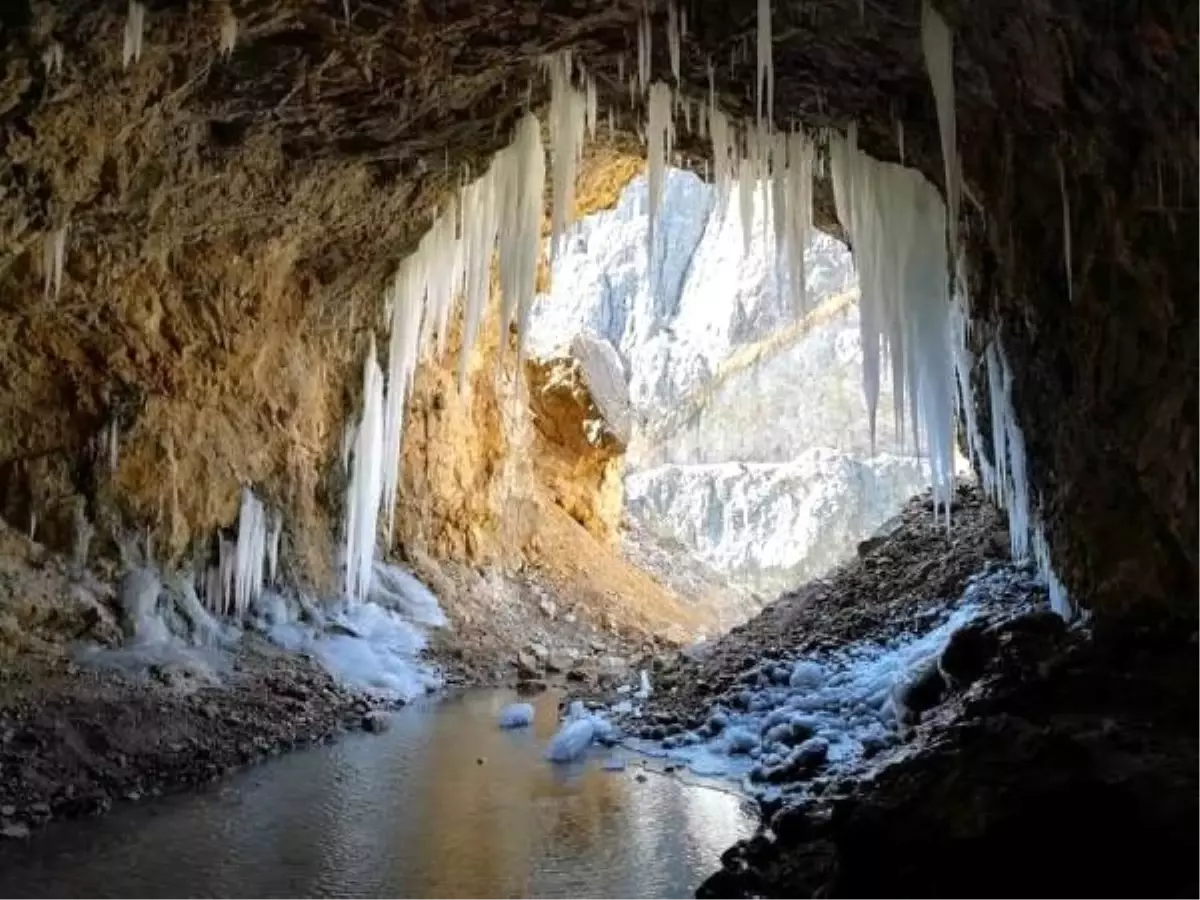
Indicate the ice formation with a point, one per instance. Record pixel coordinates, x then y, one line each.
661 138
251 553
765 73
673 39
52 58
937 45
366 488
897 224
516 715
829 708
579 730
1066 217
54 250
568 121
1005 478
229 31
135 26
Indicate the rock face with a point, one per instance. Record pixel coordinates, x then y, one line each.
774 525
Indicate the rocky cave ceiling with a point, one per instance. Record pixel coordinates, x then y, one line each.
304 164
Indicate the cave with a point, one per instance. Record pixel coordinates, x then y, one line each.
216 387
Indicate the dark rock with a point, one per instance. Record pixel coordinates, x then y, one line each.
528 665
377 721
920 691
967 654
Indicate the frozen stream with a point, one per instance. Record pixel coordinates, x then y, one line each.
408 813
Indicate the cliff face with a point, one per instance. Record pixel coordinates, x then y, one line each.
675 318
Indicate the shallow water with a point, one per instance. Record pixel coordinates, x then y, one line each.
409 813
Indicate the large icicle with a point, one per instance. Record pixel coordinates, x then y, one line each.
366 483
937 44
251 553
897 223
520 235
766 65
135 25
660 140
568 121
673 38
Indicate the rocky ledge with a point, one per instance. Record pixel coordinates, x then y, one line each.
75 739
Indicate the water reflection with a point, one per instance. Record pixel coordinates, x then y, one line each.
408 813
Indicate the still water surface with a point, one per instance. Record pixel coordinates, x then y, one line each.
409 813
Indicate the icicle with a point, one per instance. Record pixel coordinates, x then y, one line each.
1066 217
520 235
135 21
591 107
274 532
687 115
673 38
229 31
766 65
644 48
52 58
365 489
746 202
568 120
660 140
250 553
937 45
114 446
798 224
54 249
896 222
900 140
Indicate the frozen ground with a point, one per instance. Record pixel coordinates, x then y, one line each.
799 715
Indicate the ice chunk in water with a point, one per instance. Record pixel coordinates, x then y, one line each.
572 740
516 715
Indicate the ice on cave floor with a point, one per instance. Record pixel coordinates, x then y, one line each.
516 715
834 706
373 646
167 630
397 590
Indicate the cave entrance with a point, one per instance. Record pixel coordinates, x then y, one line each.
750 465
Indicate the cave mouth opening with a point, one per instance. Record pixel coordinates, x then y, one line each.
749 451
